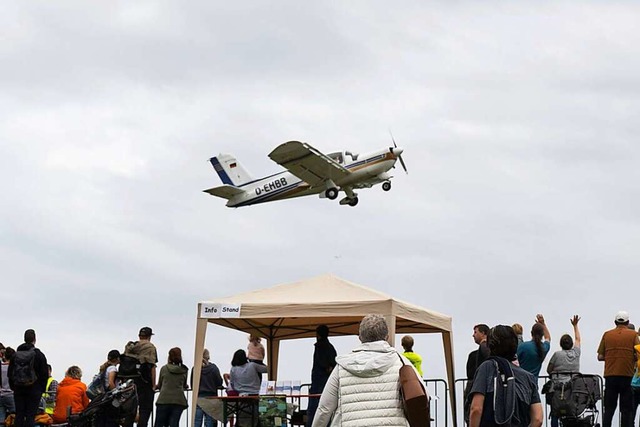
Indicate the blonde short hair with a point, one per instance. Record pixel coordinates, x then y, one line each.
517 328
74 372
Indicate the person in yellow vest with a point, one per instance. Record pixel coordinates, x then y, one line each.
50 393
414 358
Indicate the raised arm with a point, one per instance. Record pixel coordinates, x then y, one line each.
576 330
540 319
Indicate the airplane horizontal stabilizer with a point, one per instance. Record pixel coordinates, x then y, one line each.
225 191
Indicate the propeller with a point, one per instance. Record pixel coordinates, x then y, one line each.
398 152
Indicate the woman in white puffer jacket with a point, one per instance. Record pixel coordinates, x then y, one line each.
364 388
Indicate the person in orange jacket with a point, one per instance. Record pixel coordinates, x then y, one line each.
72 393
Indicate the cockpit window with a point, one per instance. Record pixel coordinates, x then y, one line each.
337 157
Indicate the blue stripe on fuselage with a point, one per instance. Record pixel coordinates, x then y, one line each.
362 162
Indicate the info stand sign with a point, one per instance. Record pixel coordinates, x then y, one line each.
217 310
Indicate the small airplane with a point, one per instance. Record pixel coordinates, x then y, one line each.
308 172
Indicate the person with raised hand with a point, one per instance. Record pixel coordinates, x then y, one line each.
531 353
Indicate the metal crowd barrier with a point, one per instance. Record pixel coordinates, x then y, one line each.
461 383
438 389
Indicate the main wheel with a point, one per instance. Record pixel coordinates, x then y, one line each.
331 193
353 201
386 186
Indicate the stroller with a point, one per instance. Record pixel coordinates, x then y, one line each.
574 402
123 398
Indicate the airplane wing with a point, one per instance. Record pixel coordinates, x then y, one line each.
224 191
307 163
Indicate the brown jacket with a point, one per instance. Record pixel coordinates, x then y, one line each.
616 346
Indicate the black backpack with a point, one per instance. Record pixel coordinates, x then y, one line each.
562 402
24 372
129 367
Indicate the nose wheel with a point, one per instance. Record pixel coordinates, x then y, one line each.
353 201
386 186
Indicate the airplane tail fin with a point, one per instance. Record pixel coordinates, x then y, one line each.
230 170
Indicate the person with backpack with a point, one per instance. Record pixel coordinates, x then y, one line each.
565 362
146 356
502 393
108 414
28 375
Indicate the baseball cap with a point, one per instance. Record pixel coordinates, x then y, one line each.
622 316
145 332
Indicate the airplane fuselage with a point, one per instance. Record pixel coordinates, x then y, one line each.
366 171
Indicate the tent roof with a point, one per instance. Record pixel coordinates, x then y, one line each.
294 310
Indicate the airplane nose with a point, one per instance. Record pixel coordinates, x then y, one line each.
397 151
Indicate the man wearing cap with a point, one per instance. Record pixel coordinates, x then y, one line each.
147 355
616 349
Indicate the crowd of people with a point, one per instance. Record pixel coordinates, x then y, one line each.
503 351
29 395
28 392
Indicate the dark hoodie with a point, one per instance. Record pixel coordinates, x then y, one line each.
172 383
210 380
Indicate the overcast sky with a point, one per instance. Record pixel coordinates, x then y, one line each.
519 123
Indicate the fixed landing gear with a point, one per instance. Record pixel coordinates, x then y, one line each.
386 186
351 201
331 193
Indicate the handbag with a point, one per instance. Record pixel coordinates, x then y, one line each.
414 397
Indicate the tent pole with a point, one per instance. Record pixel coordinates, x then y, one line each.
201 331
391 324
448 357
273 352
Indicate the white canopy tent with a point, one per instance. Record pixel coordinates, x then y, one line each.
294 310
